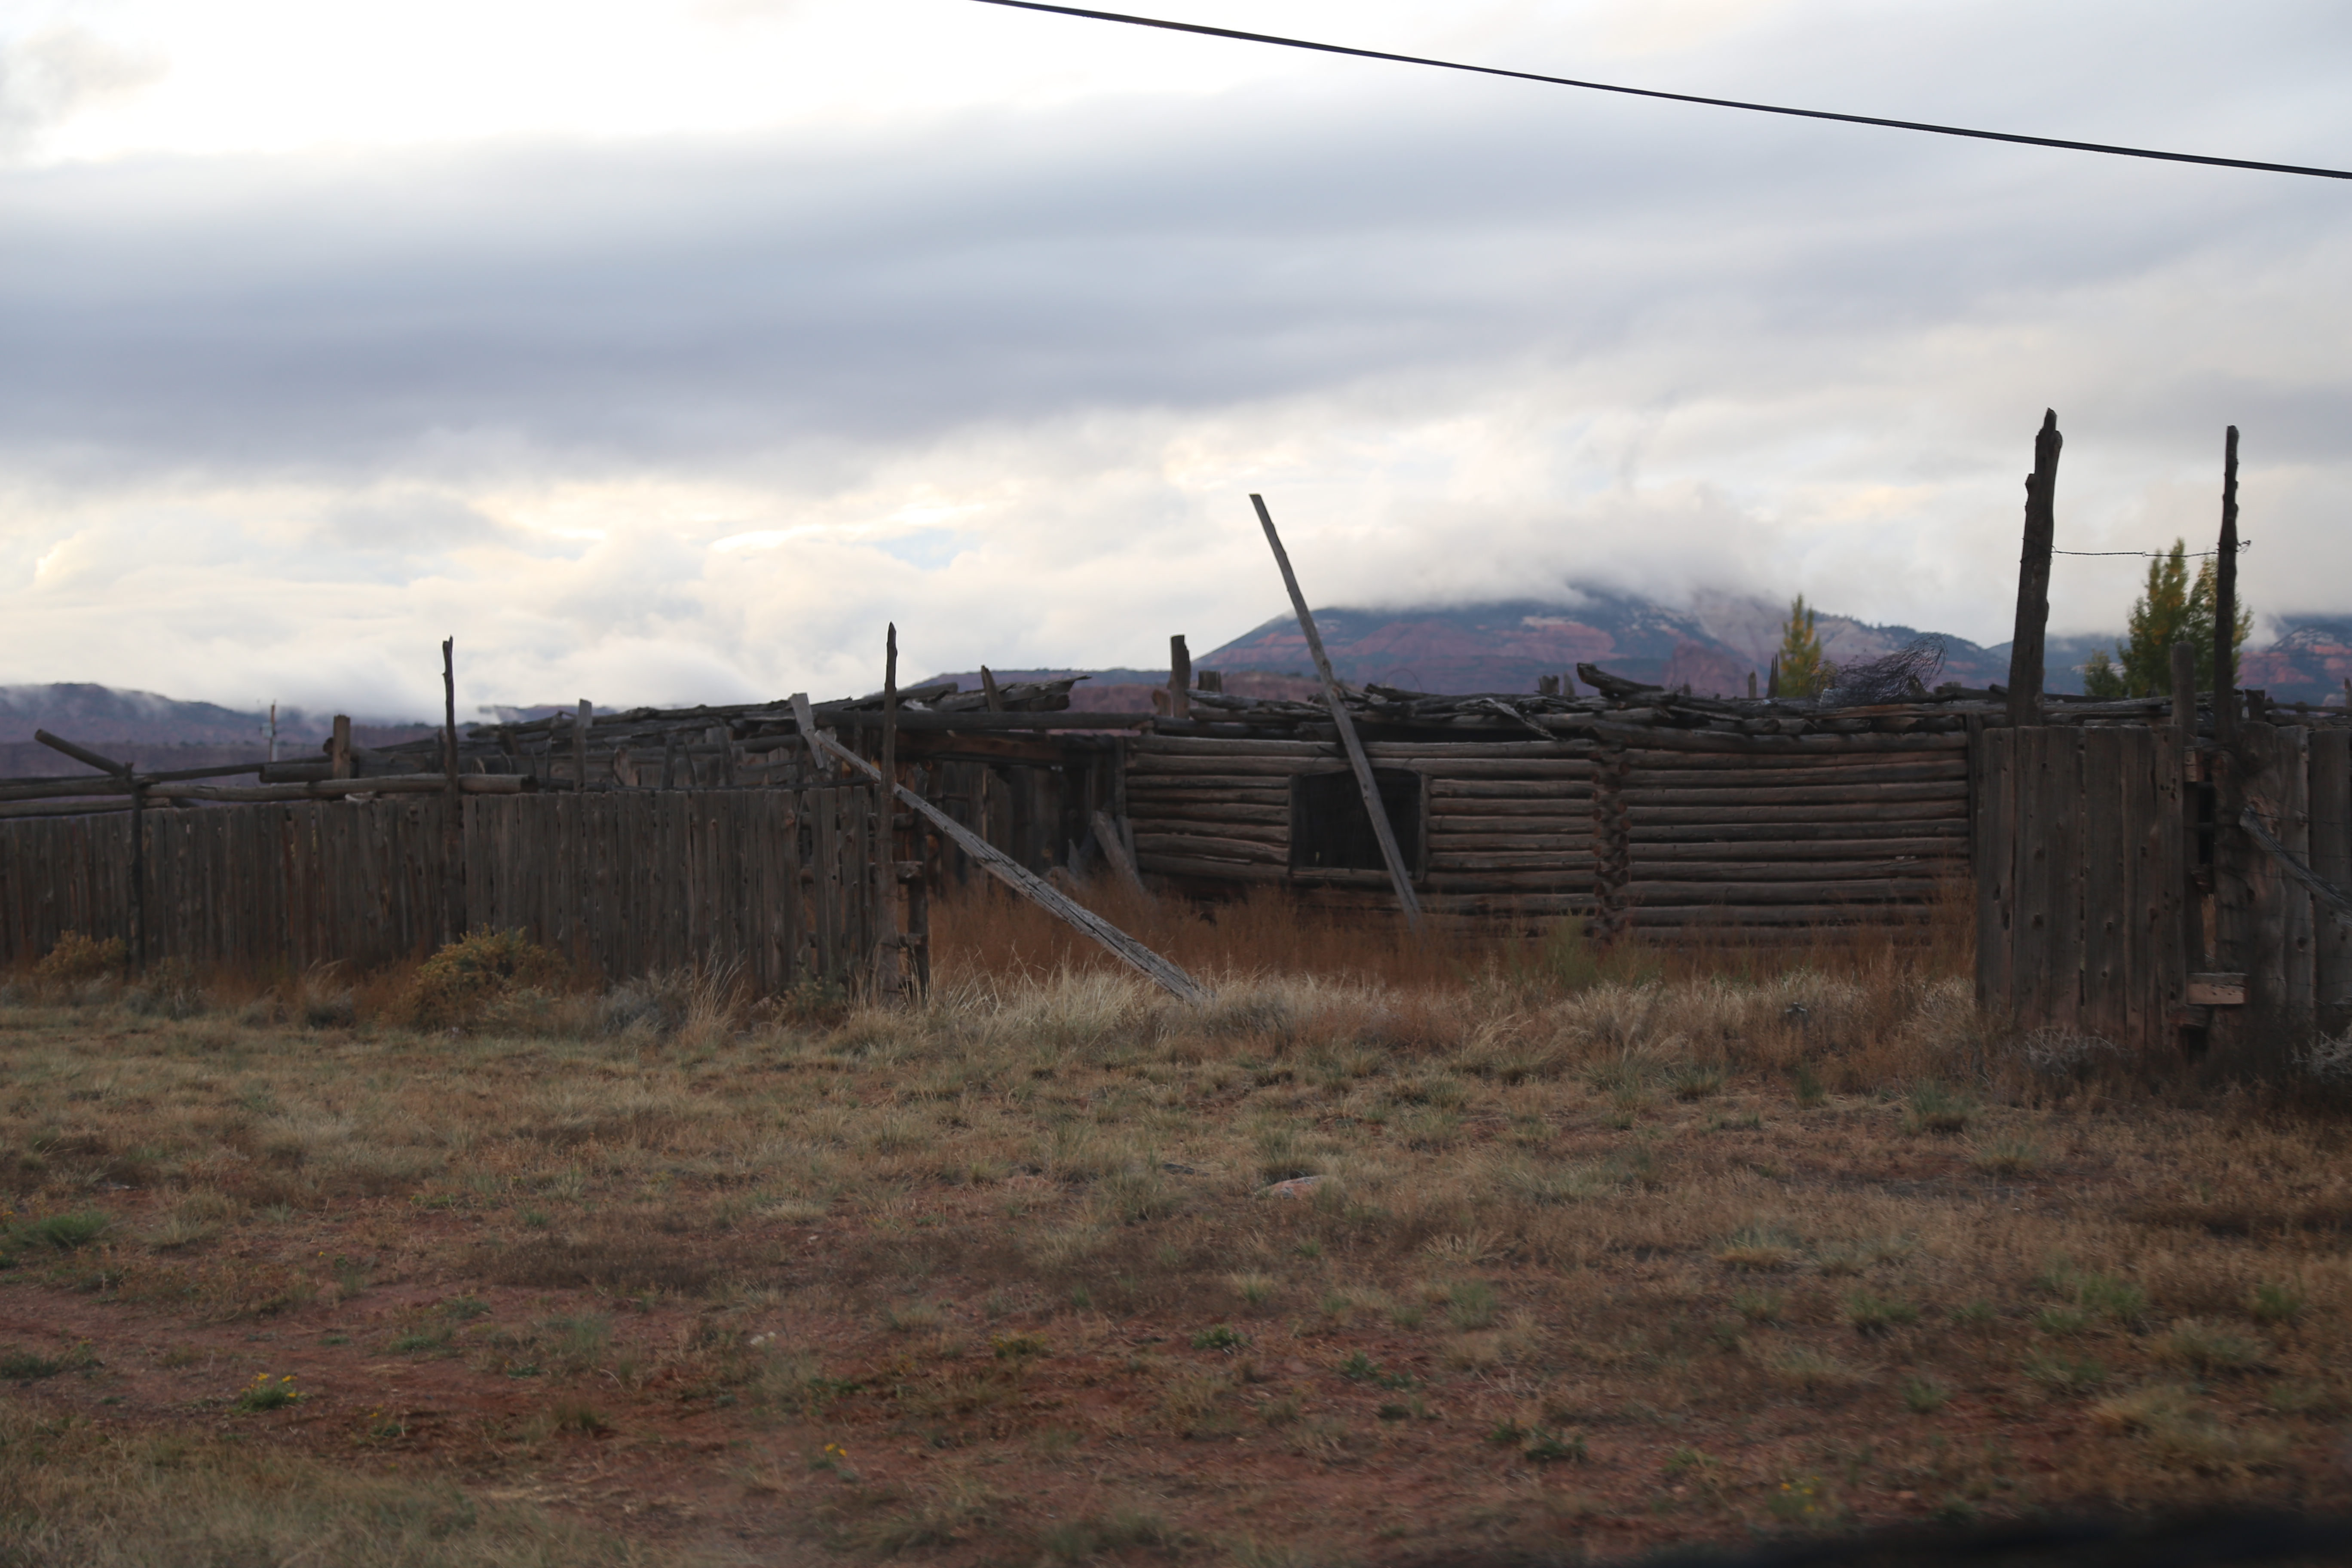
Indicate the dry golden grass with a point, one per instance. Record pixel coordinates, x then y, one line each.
1619 1250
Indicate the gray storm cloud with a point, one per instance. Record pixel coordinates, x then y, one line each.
1476 343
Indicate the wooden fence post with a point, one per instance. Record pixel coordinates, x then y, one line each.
2025 660
888 935
453 825
585 717
339 749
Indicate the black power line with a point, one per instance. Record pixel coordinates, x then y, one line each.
1236 33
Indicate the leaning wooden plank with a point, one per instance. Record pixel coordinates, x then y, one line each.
1022 880
2338 903
1112 844
1375 809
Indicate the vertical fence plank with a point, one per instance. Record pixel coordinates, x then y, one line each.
2264 920
2297 936
2330 808
2106 931
2031 937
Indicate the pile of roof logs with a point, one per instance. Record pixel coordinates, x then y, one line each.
751 743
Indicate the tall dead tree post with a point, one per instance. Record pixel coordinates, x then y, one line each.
2025 650
2225 600
1384 834
453 822
1179 677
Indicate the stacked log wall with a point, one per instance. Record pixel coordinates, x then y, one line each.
1736 839
1725 841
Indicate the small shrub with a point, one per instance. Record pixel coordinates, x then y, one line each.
1760 1306
54 1232
2008 1156
1808 1369
2275 1303
1759 1248
1219 1337
457 984
2063 1376
265 1393
1938 1108
1806 1086
2061 1322
1694 1082
2209 1347
1923 1395
1471 1304
1871 1314
1548 1448
77 961
19 1365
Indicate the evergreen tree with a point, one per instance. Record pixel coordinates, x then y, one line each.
2173 608
1803 673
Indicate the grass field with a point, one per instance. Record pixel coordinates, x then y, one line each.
1391 1253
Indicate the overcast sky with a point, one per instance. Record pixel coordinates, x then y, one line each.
663 352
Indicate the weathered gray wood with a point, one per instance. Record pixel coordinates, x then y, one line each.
2331 861
1842 792
1374 808
1111 844
2033 575
80 754
1937 770
1954 810
2225 601
1955 828
1019 877
1250 849
2290 786
889 932
2106 917
453 821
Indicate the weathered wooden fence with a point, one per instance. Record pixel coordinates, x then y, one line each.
2082 917
2119 898
778 883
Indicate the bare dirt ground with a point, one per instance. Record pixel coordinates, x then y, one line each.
1565 1264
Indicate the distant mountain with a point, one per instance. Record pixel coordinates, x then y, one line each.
1713 646
155 732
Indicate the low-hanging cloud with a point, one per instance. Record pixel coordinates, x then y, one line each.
1010 376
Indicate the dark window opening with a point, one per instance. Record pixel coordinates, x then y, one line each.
1329 829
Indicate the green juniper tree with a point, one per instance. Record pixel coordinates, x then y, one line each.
1801 668
2174 608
